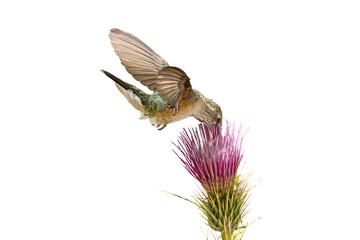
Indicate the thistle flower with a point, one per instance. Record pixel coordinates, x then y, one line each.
213 158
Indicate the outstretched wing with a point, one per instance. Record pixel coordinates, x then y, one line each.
149 68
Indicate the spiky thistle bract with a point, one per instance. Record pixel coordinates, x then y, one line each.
212 155
225 211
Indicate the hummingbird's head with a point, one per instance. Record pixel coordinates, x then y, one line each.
215 112
210 113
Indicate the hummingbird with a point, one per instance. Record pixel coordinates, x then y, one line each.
173 97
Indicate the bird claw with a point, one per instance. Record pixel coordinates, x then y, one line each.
160 127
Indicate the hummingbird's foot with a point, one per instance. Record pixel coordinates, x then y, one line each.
161 127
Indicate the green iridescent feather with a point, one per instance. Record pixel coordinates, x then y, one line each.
152 102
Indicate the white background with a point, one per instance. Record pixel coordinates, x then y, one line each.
76 163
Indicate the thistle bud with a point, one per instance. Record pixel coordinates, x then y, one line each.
212 156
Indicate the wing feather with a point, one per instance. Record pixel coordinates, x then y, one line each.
149 68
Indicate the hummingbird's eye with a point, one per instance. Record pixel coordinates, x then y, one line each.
218 121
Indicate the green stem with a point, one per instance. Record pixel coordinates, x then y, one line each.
226 235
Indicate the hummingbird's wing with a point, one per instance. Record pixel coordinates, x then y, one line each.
150 69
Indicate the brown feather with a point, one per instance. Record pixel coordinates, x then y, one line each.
150 69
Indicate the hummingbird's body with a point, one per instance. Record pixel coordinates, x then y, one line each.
173 98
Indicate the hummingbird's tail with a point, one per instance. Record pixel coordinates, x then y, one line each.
135 96
117 80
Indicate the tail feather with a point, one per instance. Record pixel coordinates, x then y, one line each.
117 80
132 94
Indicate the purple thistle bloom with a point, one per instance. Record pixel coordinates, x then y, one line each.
210 156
